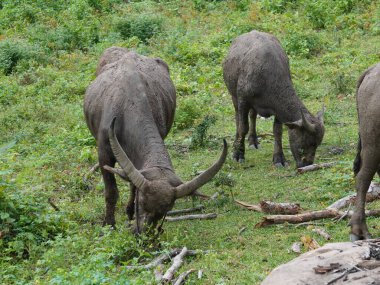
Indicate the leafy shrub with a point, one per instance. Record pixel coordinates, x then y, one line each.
199 134
26 222
12 52
143 27
304 45
276 6
188 110
342 83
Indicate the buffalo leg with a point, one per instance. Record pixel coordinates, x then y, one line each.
369 166
241 116
111 193
131 202
252 135
278 154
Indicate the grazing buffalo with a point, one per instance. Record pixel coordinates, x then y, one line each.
129 109
367 161
256 72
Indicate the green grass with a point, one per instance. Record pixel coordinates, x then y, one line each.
48 57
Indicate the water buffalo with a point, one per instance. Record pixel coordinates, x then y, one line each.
129 109
256 72
367 161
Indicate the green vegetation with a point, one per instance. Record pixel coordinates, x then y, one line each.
48 56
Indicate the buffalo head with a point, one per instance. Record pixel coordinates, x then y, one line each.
305 135
157 188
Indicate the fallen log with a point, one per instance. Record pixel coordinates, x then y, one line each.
313 167
272 207
183 277
185 211
280 208
372 195
177 262
310 216
192 217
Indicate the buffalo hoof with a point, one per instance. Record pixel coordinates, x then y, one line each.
254 146
238 157
354 237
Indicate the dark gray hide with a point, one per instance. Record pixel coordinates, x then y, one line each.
256 72
367 161
135 94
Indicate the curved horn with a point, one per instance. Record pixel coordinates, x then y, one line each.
321 113
306 124
190 186
134 175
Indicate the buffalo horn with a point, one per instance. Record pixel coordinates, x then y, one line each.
133 174
306 124
190 186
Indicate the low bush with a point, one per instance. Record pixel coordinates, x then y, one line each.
14 52
143 27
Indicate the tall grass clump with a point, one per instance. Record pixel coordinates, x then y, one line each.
143 26
14 52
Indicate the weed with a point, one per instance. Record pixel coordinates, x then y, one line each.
143 27
199 134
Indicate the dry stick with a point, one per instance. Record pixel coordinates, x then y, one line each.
177 262
322 233
183 277
163 257
192 217
315 167
92 170
185 211
372 194
50 201
117 171
249 206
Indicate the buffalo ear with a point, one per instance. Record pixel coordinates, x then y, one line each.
293 125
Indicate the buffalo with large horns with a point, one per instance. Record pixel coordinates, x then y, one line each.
129 109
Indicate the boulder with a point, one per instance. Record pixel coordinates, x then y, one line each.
342 263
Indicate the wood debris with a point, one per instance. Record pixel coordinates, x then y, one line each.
185 211
313 167
177 262
192 217
322 233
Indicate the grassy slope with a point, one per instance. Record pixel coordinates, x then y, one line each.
54 148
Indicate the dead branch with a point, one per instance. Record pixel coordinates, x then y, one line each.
272 207
299 218
192 217
315 167
183 277
310 216
185 211
163 257
322 233
177 262
50 201
91 171
372 195
280 208
117 171
201 195
256 208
